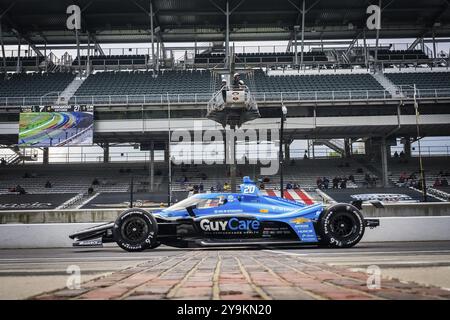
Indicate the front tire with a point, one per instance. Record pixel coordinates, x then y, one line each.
341 226
136 230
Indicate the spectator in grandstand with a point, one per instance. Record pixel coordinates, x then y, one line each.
305 156
395 154
343 184
211 189
95 182
319 183
224 90
219 187
403 177
3 162
20 189
437 183
326 182
336 182
369 182
262 186
190 188
351 178
237 82
288 186
48 184
196 188
266 180
226 186
90 190
296 186
201 187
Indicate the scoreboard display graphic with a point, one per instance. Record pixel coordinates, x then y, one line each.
56 126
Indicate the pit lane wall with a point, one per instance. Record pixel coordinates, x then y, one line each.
50 229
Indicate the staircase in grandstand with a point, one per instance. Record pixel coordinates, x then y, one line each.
26 154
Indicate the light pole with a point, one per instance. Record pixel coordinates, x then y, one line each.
281 155
422 172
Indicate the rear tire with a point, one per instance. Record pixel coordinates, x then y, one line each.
341 226
136 230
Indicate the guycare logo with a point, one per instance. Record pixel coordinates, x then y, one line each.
233 224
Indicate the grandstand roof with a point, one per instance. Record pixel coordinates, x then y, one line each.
122 21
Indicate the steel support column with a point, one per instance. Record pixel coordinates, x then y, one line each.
78 52
19 46
434 44
106 152
45 156
88 63
152 166
384 163
295 46
152 33
303 34
3 48
227 36
377 41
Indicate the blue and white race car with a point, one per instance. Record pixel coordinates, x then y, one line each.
247 218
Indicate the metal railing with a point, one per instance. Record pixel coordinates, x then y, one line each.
261 97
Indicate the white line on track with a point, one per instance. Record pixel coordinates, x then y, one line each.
346 252
75 259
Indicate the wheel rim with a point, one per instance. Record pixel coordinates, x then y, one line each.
135 230
342 225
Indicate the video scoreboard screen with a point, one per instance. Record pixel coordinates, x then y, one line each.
56 126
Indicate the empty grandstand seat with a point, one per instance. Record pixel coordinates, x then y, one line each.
401 55
429 83
34 84
327 86
112 60
262 57
145 83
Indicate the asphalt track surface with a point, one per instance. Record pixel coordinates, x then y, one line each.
27 272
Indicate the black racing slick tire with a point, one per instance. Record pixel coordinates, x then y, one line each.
341 226
136 230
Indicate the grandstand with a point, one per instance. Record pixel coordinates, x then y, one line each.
342 86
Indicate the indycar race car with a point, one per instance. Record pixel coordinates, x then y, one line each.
247 218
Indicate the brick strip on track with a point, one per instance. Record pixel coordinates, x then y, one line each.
241 275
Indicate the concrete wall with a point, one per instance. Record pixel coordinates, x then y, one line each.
49 235
59 216
431 209
54 235
108 215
